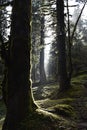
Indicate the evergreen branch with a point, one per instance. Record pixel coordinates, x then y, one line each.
77 21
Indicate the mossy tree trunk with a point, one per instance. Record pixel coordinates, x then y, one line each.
63 78
19 101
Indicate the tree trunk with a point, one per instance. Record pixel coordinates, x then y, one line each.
20 101
69 47
63 78
42 70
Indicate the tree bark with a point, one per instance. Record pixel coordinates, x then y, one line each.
42 70
63 78
20 100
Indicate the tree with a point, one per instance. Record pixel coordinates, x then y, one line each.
35 40
70 40
63 78
38 21
42 70
20 100
4 25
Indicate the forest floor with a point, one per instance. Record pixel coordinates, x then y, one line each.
63 111
70 106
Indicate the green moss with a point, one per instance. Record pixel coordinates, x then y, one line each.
40 120
79 79
73 92
43 92
64 110
48 102
43 120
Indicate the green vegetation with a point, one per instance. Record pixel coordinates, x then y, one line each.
70 105
63 113
43 41
63 109
80 79
43 120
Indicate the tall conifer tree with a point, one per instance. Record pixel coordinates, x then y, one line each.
19 101
63 78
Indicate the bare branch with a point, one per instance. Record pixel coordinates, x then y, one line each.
71 5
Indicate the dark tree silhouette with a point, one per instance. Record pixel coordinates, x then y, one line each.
63 78
19 101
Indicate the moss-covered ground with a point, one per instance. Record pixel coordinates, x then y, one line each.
70 105
63 111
